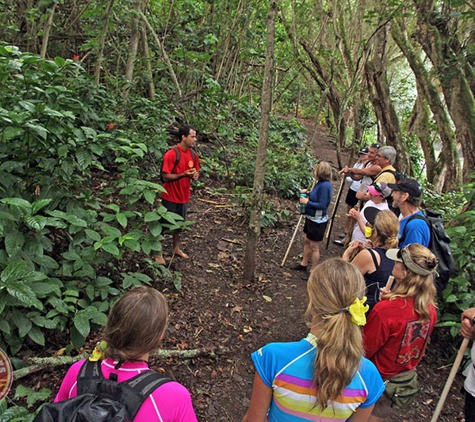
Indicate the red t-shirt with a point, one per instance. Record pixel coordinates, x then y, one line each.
178 191
394 339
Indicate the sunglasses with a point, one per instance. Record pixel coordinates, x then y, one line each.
378 188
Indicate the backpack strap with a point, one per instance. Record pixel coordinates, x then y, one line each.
412 217
88 377
375 260
178 156
136 390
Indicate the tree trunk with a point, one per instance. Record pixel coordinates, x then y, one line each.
378 88
102 40
133 45
46 30
437 38
151 85
254 229
448 162
166 59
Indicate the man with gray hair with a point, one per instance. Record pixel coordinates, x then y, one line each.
385 157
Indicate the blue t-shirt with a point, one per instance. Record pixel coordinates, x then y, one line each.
287 368
417 231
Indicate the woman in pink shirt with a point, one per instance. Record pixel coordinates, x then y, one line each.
134 329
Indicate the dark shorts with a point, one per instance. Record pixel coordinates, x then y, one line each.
314 231
351 199
180 209
382 407
469 407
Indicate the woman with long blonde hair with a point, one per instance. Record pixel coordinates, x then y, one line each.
399 327
372 261
325 374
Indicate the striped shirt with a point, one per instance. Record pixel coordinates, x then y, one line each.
287 368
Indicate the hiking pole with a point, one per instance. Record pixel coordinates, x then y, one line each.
295 232
292 240
335 208
450 379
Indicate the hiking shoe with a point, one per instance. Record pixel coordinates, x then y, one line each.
339 243
305 277
298 267
342 235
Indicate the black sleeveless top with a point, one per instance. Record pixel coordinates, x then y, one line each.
378 278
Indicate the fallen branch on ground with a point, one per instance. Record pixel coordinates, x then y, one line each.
37 364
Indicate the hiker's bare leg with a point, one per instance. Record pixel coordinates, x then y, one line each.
176 246
307 251
315 253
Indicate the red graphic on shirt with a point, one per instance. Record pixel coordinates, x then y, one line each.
414 341
6 374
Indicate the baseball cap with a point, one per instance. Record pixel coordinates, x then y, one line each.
376 145
410 186
363 151
370 214
379 189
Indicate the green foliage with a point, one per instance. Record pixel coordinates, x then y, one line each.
288 166
271 214
15 413
65 224
460 292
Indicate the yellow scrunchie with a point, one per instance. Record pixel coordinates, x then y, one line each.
358 310
99 352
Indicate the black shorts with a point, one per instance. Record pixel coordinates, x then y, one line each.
469 407
314 231
351 199
180 209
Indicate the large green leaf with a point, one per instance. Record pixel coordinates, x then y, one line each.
37 335
81 322
18 202
38 205
14 241
24 294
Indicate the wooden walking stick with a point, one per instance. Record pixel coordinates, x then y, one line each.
292 240
450 379
295 232
335 208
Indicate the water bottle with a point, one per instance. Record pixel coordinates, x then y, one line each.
303 206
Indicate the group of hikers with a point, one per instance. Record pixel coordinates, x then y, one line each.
370 313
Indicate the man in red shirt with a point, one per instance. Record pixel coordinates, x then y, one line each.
178 177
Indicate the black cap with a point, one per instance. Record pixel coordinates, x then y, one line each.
410 186
363 151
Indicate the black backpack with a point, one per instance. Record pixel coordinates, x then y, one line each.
439 246
99 399
177 160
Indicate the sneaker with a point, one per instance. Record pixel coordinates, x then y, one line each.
298 267
342 235
339 243
305 277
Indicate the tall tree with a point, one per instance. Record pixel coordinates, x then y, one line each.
254 229
438 35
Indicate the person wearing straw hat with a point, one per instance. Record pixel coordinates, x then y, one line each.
399 327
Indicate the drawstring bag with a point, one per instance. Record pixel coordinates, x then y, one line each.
401 389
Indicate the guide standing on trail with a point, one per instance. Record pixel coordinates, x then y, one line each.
177 175
316 213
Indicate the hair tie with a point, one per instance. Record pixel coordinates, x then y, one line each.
99 352
357 310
